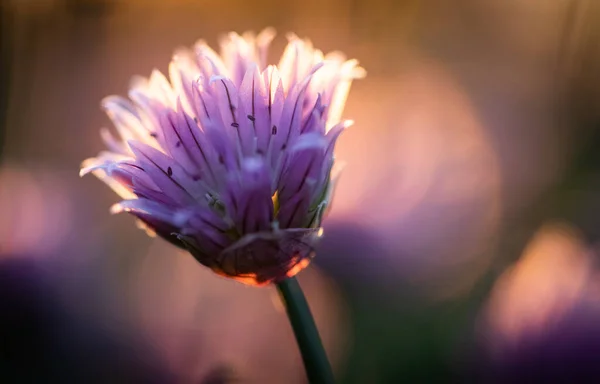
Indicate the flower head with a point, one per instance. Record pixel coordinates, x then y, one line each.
231 159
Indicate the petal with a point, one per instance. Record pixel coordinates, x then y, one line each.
183 72
188 145
226 100
339 86
246 136
160 88
168 175
237 53
160 212
314 121
334 134
263 41
125 118
254 101
275 96
288 64
291 116
98 167
301 174
114 145
176 145
248 197
149 111
293 212
209 62
206 231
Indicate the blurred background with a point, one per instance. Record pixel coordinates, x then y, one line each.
463 241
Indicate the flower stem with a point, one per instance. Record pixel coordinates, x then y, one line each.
311 348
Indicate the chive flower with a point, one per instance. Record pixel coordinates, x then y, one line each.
231 158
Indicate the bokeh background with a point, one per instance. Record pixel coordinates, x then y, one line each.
463 241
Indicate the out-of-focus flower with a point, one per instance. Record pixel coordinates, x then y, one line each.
541 321
552 276
29 201
233 159
431 156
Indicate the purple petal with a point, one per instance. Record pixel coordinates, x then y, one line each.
237 54
149 112
125 118
113 144
209 62
208 232
168 175
248 198
226 99
183 72
293 212
314 121
203 105
301 174
160 212
291 116
276 100
254 101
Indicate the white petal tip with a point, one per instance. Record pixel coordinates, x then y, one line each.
214 78
84 171
359 73
116 208
266 35
89 166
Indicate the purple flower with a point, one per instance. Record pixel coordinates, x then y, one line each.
231 159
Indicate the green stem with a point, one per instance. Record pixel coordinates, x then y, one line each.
315 360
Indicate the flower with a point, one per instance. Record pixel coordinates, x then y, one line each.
232 159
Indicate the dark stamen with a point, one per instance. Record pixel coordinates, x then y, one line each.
169 171
236 125
153 134
178 144
251 118
274 130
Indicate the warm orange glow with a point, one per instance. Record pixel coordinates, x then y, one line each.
254 279
250 279
298 267
275 199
